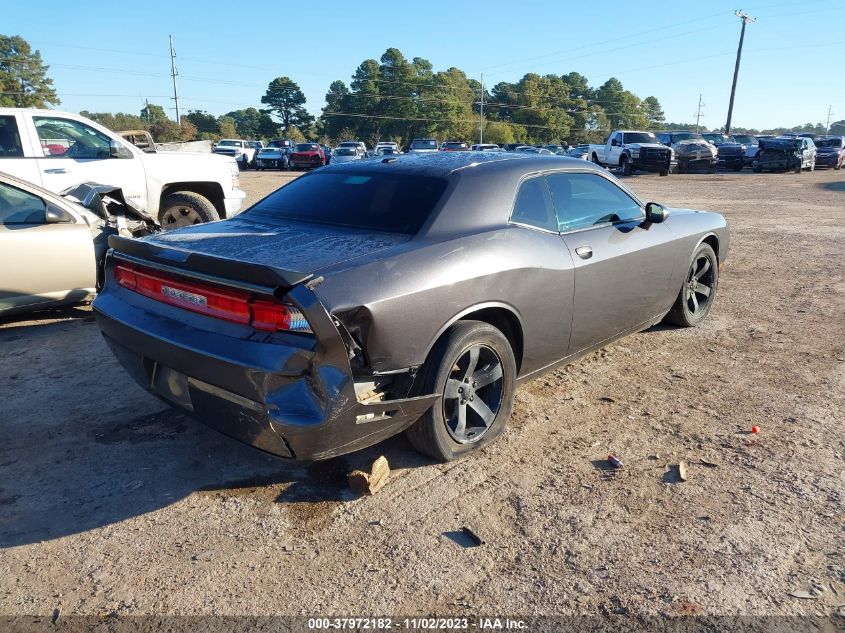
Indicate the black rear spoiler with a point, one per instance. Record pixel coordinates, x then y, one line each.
189 261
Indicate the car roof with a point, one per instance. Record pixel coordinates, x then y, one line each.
443 164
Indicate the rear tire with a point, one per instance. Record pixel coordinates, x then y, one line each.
471 412
186 208
698 290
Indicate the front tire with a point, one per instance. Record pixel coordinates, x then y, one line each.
699 289
186 208
472 366
625 166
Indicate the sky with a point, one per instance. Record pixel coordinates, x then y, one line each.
111 56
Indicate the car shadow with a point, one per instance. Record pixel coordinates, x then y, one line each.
833 186
98 468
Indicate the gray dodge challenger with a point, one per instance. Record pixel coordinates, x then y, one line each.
410 293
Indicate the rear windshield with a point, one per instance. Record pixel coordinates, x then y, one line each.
345 151
395 203
306 147
685 136
829 142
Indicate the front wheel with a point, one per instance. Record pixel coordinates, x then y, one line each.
699 290
186 208
472 367
625 166
664 172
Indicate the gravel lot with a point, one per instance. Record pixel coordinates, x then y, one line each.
111 503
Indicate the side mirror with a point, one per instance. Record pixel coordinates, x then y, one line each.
54 215
614 143
117 150
655 213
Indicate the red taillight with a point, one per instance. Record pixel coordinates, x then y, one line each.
228 304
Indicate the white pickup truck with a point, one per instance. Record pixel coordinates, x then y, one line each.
57 150
631 151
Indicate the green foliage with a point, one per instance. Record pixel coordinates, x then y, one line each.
227 127
653 113
252 123
117 122
286 99
23 76
206 124
838 128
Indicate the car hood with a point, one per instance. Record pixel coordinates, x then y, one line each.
645 145
307 248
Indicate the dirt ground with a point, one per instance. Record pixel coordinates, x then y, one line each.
111 503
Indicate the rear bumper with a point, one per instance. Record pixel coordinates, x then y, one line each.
295 400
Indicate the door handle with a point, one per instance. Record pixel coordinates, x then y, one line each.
584 252
56 170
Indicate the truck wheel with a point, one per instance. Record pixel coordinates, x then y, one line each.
473 367
625 166
664 172
799 166
186 208
838 165
595 160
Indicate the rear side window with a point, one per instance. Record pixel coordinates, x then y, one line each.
10 140
395 203
585 200
534 206
66 138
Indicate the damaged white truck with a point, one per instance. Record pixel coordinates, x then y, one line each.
57 150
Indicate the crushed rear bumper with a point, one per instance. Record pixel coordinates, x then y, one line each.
287 394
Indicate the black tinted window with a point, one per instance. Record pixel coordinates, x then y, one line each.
584 200
396 203
20 207
534 206
10 140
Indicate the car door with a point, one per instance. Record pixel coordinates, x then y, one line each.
614 149
44 257
75 152
16 156
623 265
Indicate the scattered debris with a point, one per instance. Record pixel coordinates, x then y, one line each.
682 471
473 536
57 612
755 429
708 463
206 555
606 399
802 595
654 457
615 461
371 482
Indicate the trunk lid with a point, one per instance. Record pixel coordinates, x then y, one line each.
259 252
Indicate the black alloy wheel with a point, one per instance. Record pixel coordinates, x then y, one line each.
473 394
695 299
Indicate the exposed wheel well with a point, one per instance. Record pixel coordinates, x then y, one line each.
211 190
506 322
713 241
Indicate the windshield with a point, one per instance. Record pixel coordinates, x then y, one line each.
685 136
836 141
345 151
229 143
745 139
423 144
717 139
455 145
306 147
639 137
269 150
396 203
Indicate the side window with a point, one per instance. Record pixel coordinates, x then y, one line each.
20 207
10 140
66 138
584 200
534 206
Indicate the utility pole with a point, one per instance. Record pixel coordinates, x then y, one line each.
745 20
698 114
481 114
173 74
829 113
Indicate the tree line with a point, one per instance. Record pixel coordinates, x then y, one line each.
390 98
